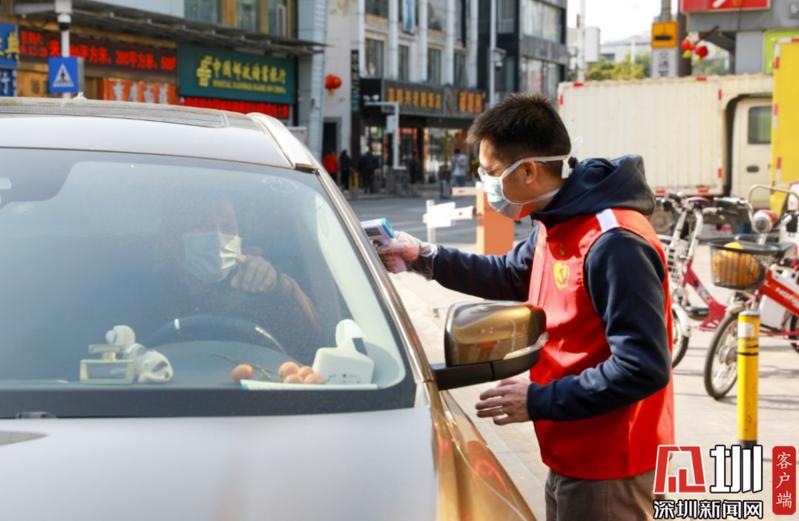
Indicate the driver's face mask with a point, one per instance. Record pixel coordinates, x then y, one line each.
495 193
211 256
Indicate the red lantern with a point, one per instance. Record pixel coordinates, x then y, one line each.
332 82
701 51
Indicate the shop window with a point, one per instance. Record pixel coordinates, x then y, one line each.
247 15
506 16
434 66
404 58
460 69
374 57
278 17
202 10
377 8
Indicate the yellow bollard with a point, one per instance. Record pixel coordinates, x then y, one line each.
748 367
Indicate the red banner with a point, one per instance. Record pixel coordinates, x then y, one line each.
277 110
116 89
696 6
98 52
783 480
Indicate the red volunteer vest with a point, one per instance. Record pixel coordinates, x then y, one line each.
620 443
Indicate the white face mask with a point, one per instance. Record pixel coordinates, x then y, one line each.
495 193
210 256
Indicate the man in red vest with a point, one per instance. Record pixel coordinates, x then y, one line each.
600 396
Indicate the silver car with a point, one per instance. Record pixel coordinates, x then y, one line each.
195 327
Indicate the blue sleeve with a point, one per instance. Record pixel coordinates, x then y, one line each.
494 277
624 278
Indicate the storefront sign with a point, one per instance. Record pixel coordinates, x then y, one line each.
355 82
696 6
214 73
418 99
9 46
98 52
277 110
117 89
8 82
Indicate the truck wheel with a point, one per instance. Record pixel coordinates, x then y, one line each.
721 365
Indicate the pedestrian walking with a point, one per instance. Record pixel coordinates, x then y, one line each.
344 166
600 396
460 163
330 162
366 168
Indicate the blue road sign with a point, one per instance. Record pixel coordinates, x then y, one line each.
63 75
8 82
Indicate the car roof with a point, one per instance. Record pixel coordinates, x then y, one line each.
147 128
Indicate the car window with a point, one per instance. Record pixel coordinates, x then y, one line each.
128 272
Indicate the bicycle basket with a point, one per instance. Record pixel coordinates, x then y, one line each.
740 265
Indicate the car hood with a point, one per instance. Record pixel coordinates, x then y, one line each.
375 465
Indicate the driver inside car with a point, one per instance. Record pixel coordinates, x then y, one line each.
211 273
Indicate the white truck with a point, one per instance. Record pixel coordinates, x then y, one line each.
697 135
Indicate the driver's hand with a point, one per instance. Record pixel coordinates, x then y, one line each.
255 275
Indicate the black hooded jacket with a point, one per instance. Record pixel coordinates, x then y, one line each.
624 278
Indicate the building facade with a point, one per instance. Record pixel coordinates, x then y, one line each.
240 55
533 35
417 57
747 29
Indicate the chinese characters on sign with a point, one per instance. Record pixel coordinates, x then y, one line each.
142 91
215 73
277 110
9 58
40 45
423 99
8 82
9 46
783 481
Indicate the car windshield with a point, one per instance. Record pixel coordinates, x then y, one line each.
137 285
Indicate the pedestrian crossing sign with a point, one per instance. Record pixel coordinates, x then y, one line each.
65 75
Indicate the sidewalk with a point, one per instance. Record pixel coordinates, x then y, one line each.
700 420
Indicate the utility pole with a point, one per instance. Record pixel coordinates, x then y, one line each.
63 9
492 44
581 43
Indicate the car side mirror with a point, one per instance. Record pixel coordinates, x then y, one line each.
487 341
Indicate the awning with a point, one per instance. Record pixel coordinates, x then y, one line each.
135 21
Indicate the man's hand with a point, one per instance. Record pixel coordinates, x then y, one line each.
400 252
506 403
255 275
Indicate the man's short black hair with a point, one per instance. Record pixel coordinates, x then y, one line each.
523 125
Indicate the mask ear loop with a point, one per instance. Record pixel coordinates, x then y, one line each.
571 162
